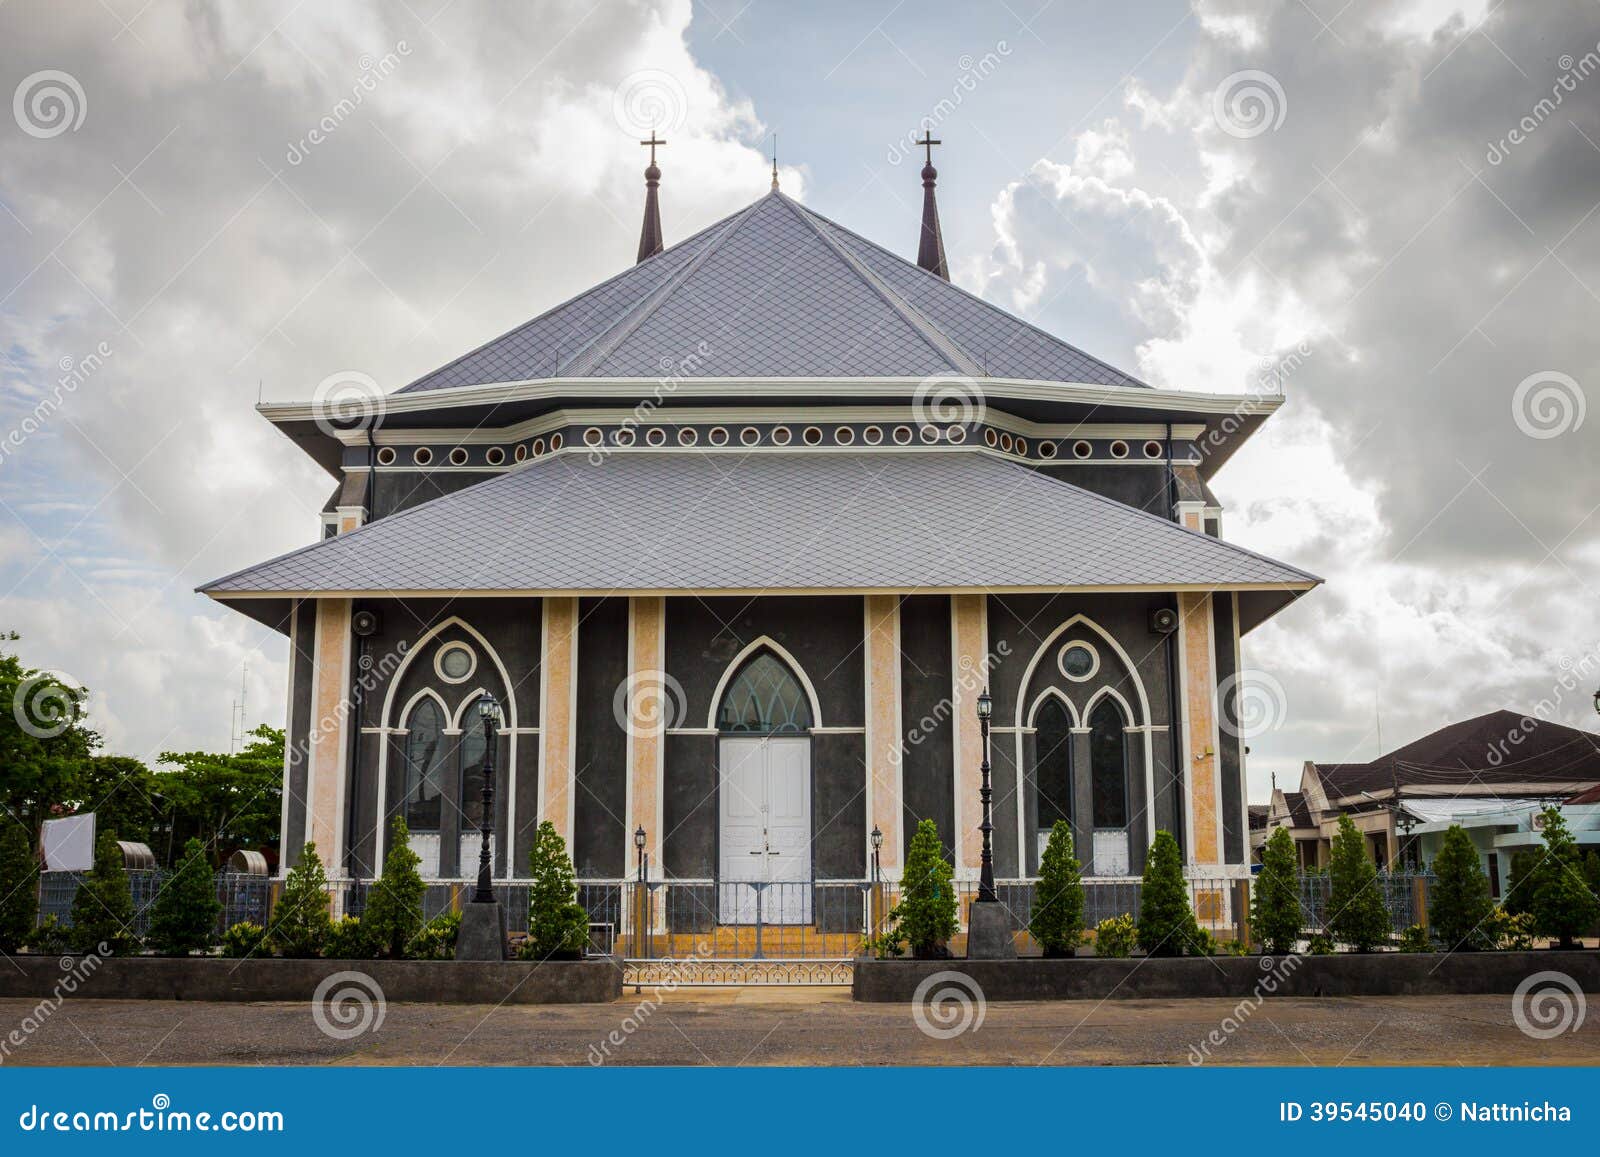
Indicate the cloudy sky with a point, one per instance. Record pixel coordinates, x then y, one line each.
1391 207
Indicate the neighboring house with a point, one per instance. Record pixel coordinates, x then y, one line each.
1492 774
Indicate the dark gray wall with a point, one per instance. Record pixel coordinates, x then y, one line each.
1228 751
600 831
927 742
302 642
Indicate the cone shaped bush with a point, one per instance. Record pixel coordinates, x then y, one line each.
1459 905
926 914
102 909
1357 915
1166 920
19 886
394 902
1562 904
184 916
1275 907
299 923
1057 918
558 926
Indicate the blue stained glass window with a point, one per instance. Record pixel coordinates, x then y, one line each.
764 698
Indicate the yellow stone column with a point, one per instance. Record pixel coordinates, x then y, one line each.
327 737
969 648
885 765
1202 774
651 710
558 689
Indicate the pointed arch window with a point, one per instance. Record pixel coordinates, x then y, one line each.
1053 763
765 698
425 758
1108 765
473 749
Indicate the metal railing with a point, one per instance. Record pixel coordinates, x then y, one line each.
242 896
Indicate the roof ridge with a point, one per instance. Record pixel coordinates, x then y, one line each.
605 343
941 342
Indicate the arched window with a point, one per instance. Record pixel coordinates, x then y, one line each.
424 767
1053 762
1108 766
764 698
473 749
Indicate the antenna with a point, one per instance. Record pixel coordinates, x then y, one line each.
236 721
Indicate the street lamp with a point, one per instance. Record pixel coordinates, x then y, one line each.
489 712
877 847
638 843
986 794
988 922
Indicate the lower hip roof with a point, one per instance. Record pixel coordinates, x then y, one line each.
809 521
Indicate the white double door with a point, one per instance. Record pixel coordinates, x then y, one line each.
765 793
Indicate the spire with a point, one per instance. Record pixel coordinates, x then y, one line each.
774 162
930 251
650 235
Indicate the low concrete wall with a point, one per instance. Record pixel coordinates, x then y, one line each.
218 978
1374 974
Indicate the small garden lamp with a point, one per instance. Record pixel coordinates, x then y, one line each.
986 872
638 843
489 712
877 846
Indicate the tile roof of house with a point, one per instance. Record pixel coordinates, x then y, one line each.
775 290
1299 814
677 520
1486 751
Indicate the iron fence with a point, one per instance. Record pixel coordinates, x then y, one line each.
1402 892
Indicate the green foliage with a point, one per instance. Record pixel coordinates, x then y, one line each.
1415 939
1357 915
1166 919
227 801
558 927
927 910
347 940
1511 931
244 939
1562 904
437 940
1116 936
124 796
1320 944
1275 905
19 885
300 922
1057 918
183 918
102 909
394 902
886 944
51 937
1202 942
1459 904
1591 870
1234 948
1518 895
40 763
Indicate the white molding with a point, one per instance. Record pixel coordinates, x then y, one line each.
1038 701
1107 691
288 747
782 652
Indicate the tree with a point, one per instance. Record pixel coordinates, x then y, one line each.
184 916
1057 918
19 885
226 801
102 909
1460 905
1275 907
394 902
1166 920
1518 895
123 795
43 739
558 927
1357 915
1562 904
926 913
300 922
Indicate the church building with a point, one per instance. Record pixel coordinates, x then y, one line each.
737 538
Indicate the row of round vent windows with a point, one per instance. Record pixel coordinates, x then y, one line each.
781 436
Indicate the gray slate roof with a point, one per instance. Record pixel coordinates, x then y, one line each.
774 291
677 520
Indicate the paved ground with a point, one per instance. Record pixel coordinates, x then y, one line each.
799 1026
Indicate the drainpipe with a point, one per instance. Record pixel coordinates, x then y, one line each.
1174 715
353 761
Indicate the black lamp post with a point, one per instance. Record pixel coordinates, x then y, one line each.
877 848
489 712
986 793
638 843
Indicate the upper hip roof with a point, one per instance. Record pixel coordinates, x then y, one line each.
775 290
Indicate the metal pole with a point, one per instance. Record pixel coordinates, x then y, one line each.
986 875
485 891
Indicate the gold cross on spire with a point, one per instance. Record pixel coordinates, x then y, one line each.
652 142
928 142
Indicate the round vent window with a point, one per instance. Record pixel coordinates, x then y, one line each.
1079 661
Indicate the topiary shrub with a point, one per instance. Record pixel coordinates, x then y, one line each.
394 902
1166 919
558 927
183 918
1510 931
1202 942
1518 896
300 921
347 940
1115 937
50 937
1056 921
437 940
1459 904
1357 915
244 939
1321 944
1275 904
1562 904
926 914
102 909
1415 939
19 886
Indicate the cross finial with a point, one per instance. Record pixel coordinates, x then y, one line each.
928 142
652 142
774 162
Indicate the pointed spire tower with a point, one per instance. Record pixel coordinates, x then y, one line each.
930 250
650 234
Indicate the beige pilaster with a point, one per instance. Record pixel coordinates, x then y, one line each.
651 710
328 738
558 689
885 765
969 647
1201 770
